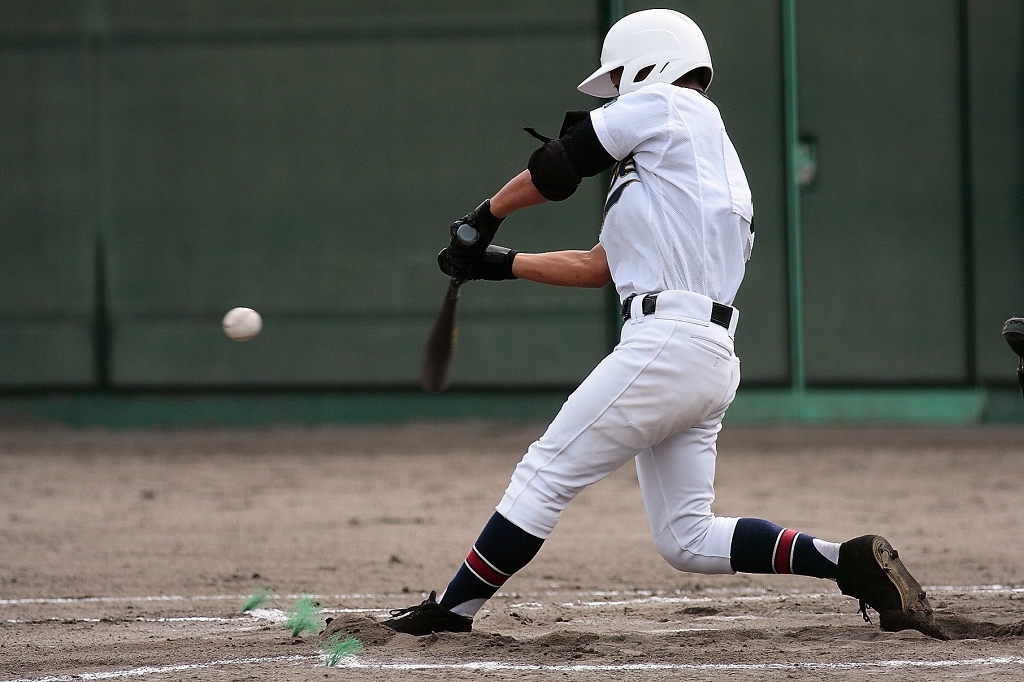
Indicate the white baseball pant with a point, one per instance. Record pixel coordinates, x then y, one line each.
659 397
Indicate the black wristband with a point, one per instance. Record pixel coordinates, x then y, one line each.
496 264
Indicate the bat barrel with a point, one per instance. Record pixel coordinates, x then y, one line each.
436 366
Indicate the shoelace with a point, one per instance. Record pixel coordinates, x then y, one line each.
863 610
409 609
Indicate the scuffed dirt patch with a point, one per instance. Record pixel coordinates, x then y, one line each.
960 627
367 630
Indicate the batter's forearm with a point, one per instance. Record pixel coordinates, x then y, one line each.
518 193
564 268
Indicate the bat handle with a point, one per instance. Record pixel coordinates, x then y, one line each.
467 234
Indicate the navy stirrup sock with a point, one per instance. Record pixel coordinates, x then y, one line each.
502 549
760 546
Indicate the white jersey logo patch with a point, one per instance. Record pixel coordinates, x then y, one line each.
620 181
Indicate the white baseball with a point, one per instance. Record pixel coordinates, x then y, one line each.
241 324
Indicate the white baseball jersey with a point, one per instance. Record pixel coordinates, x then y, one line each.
678 213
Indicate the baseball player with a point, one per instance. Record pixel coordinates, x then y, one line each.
675 239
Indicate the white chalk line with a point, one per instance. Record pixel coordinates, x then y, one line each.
169 619
637 596
490 666
162 669
272 615
186 598
107 600
693 667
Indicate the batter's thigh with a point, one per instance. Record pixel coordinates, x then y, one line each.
653 384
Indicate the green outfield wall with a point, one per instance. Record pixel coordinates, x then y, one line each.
162 162
908 407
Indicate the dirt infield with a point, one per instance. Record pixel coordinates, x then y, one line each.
130 554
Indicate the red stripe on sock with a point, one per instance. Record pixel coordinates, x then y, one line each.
484 571
784 551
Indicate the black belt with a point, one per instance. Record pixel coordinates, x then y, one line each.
720 314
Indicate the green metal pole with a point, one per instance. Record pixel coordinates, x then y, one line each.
967 190
616 10
96 49
791 126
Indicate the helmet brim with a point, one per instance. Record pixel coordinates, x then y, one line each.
599 83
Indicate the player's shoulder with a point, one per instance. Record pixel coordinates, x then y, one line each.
654 93
662 96
645 102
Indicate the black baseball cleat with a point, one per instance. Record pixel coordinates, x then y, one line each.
427 617
871 570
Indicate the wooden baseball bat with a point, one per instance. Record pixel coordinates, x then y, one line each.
436 366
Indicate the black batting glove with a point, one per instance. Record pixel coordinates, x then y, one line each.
494 265
459 269
470 236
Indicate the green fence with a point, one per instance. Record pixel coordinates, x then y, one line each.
162 162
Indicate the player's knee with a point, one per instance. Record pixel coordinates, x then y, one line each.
677 557
684 560
688 552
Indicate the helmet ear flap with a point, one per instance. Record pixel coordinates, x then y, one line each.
671 71
704 75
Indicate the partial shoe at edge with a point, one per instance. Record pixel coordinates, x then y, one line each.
871 570
426 618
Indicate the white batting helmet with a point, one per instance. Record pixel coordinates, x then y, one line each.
666 40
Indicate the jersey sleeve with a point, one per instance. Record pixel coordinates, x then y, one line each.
626 123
